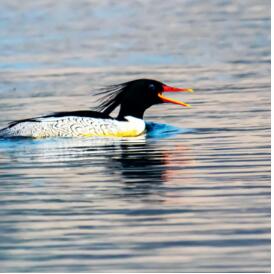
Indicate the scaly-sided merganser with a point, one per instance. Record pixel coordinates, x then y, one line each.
132 97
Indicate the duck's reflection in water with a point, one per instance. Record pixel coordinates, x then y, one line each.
140 165
141 168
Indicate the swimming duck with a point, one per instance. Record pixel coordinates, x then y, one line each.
133 98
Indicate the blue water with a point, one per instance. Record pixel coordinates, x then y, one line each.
193 195
159 131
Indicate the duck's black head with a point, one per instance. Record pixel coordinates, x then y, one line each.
136 96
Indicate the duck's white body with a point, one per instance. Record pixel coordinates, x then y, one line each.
75 126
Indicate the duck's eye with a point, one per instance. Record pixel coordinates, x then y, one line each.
152 87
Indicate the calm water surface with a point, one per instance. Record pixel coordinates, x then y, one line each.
192 195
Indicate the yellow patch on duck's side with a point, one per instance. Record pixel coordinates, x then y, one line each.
130 133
